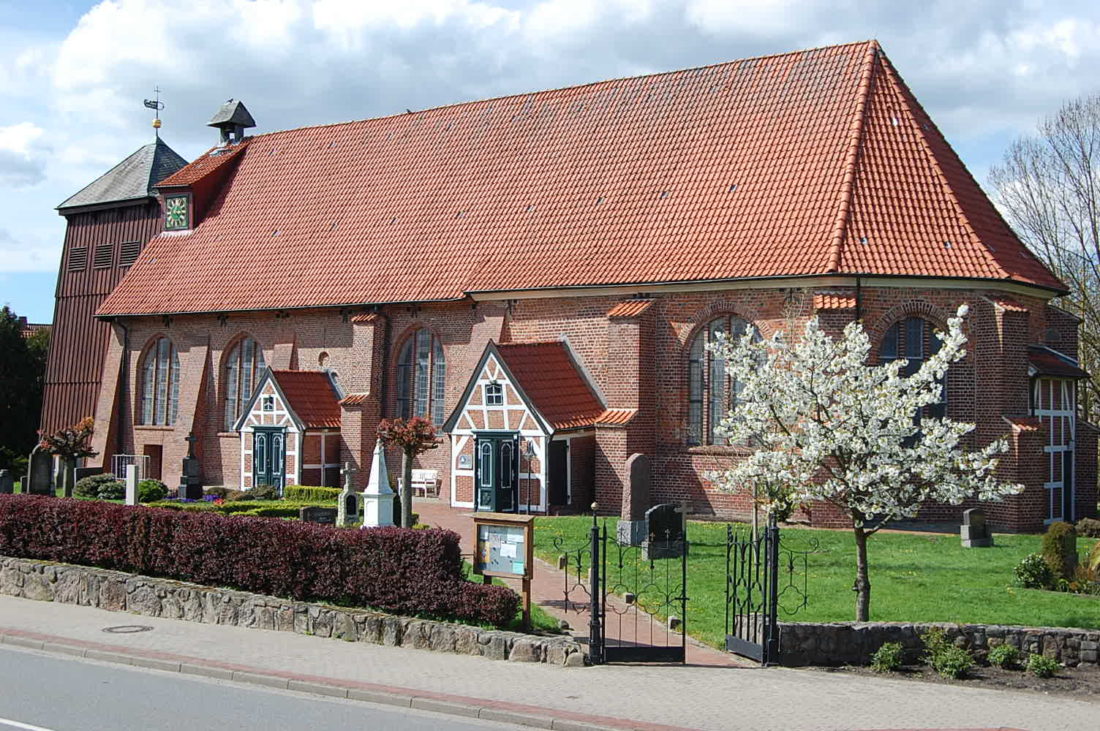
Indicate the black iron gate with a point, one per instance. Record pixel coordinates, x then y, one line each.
633 598
763 577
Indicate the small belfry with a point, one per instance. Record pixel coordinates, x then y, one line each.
232 118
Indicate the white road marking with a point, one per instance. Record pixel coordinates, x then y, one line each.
25 726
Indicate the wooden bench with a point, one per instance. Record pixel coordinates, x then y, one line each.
425 483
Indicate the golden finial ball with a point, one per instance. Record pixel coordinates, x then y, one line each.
156 124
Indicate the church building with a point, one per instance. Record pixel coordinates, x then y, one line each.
540 274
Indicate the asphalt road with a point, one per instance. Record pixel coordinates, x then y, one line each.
43 693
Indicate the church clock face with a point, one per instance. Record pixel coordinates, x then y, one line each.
176 213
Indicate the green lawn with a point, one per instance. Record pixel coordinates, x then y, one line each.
914 578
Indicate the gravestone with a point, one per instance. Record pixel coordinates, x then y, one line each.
665 532
131 484
632 528
39 473
314 514
347 504
975 531
7 483
191 477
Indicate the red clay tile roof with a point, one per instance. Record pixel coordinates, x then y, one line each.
548 375
833 301
364 318
1024 423
806 163
1045 362
214 159
616 417
1007 303
354 399
629 308
311 396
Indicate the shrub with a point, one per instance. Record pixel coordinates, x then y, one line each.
149 491
945 658
1034 573
954 662
1060 549
1004 656
306 494
1042 666
114 490
88 487
887 658
225 493
264 492
416 572
1088 527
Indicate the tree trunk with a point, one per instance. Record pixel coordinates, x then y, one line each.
406 491
863 584
68 468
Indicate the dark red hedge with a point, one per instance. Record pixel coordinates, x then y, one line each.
398 570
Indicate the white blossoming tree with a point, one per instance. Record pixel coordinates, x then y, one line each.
825 423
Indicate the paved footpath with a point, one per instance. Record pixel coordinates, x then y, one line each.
644 697
548 591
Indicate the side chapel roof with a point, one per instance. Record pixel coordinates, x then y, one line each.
807 163
311 396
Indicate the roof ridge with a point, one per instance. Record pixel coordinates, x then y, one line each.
654 75
851 161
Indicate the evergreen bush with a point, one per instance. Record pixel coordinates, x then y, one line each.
414 572
1033 572
1060 549
88 487
114 490
306 493
149 491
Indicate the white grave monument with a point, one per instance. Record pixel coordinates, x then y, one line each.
378 497
131 484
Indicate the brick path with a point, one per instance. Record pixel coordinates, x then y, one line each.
548 591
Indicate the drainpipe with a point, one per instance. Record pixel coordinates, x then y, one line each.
124 378
859 300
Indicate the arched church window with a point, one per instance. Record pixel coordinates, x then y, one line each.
160 383
914 340
243 367
421 377
712 393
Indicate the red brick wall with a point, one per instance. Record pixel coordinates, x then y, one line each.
636 363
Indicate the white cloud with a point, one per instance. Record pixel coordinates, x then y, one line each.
984 69
22 155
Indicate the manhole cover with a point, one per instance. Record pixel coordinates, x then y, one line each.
127 629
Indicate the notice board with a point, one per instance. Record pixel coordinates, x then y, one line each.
504 545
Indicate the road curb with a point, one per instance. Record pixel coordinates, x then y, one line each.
460 706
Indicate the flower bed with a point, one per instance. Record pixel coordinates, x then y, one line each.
416 572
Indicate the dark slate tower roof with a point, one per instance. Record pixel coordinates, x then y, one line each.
233 112
132 179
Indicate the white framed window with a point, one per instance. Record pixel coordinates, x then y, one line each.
494 394
1054 403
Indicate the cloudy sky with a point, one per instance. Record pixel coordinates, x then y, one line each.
73 74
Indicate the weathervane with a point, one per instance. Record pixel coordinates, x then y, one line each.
155 104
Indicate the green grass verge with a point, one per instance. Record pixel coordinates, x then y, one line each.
914 578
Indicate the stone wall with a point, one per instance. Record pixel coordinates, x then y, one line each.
116 591
853 643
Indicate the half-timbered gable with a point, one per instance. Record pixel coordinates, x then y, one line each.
290 430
